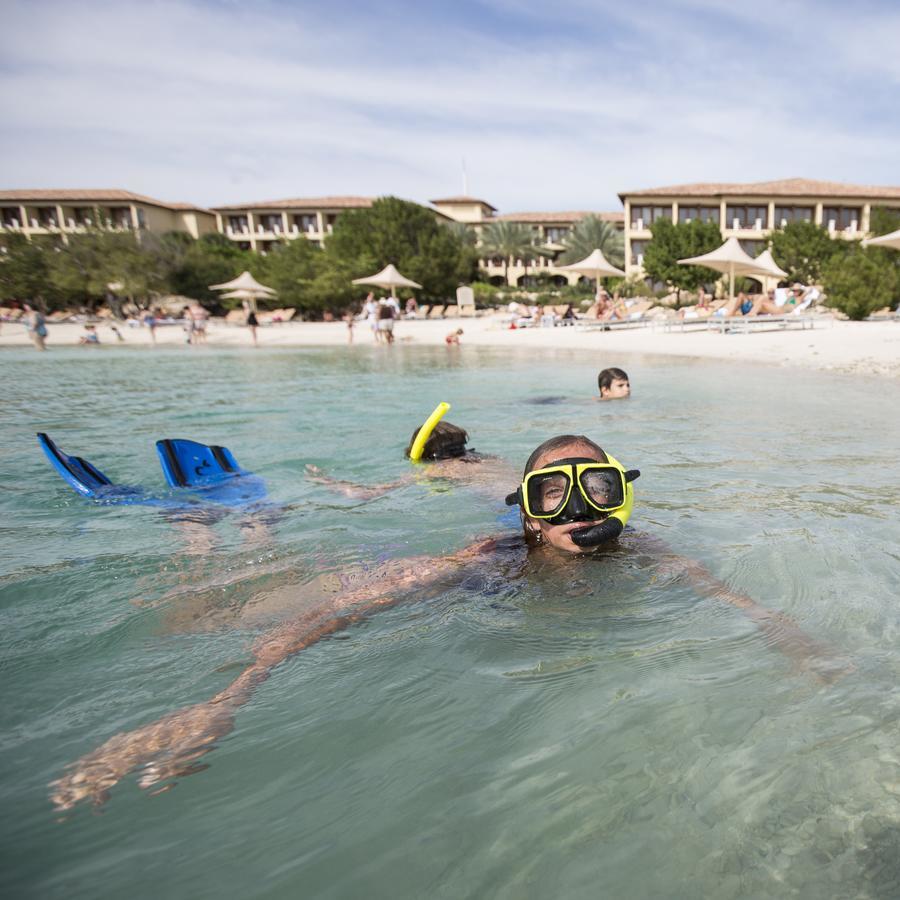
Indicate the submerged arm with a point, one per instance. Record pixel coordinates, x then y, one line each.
781 631
351 488
171 746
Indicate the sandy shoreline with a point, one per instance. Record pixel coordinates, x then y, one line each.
871 348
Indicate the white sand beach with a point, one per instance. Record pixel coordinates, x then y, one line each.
869 348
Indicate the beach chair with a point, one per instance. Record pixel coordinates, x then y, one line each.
451 312
422 311
467 312
437 311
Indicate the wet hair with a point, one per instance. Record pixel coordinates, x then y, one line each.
557 443
608 376
445 442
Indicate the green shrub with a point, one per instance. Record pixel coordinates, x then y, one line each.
862 280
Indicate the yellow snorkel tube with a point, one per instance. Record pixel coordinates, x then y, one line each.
418 447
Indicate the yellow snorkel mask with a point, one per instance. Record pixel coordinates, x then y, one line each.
579 489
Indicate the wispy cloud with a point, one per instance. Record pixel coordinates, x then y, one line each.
552 106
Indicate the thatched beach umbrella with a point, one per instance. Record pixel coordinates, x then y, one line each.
891 240
388 277
731 259
596 266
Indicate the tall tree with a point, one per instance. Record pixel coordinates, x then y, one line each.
407 235
590 234
195 265
884 220
291 268
803 250
24 272
672 242
508 240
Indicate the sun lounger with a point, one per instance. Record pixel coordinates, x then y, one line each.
748 324
422 312
451 312
437 311
467 312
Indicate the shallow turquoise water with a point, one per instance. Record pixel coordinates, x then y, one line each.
602 731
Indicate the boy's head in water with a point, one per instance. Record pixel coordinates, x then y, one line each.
445 442
565 446
613 384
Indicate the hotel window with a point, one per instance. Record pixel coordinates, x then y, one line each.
120 216
753 248
785 215
701 213
841 218
554 235
746 216
637 252
83 215
10 216
47 216
142 219
642 217
306 222
270 221
238 223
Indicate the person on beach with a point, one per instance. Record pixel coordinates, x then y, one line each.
453 337
150 319
386 321
201 319
370 311
90 335
568 492
252 322
36 326
188 318
350 320
613 384
411 308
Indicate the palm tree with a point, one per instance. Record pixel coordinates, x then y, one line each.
508 240
590 234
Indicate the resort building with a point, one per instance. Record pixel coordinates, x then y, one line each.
59 213
550 230
750 212
255 226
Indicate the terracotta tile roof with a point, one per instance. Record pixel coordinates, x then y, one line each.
303 203
788 187
452 201
99 195
568 217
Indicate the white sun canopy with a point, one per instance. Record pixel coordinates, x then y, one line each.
730 259
244 282
388 277
768 264
891 240
596 265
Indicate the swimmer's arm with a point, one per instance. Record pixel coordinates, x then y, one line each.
172 745
781 631
351 488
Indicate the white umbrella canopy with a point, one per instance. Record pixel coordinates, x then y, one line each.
244 282
891 240
730 259
596 265
388 277
768 264
243 295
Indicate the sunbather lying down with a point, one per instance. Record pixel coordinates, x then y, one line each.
763 304
574 501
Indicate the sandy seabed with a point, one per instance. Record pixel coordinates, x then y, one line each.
866 348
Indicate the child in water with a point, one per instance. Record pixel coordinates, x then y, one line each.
569 495
613 384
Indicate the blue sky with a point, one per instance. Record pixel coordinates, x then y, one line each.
552 105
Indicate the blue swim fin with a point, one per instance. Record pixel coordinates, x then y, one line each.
85 477
187 464
212 470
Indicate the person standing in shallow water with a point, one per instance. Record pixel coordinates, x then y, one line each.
613 384
252 322
172 746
